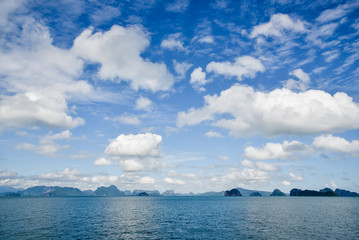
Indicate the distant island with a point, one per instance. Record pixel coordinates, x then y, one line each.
326 192
277 193
113 191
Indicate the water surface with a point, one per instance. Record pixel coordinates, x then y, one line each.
179 218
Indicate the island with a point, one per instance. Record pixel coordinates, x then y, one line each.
233 193
277 193
113 191
326 192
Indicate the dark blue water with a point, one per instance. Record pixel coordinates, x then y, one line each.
179 218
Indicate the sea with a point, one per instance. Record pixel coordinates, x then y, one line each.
179 218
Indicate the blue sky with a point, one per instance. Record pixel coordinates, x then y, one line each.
184 95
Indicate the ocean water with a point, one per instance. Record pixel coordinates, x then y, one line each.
179 218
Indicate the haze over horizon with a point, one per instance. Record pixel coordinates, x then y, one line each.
193 96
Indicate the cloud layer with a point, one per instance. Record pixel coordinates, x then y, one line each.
242 110
118 51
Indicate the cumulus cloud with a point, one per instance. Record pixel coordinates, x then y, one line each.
104 14
248 163
49 149
172 42
119 52
245 66
198 79
140 145
301 75
102 162
8 7
40 77
245 176
131 165
47 145
181 68
278 24
143 103
242 111
332 143
283 150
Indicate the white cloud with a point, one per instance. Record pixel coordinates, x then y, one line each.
336 144
47 145
333 184
102 162
7 7
104 14
181 68
243 111
245 66
173 42
119 53
125 118
248 163
49 149
66 134
140 145
331 55
131 165
143 103
177 6
213 134
147 180
296 177
278 24
21 110
235 176
220 4
198 78
40 77
301 84
318 33
286 183
275 150
206 39
333 14
301 75
174 181
267 167
68 177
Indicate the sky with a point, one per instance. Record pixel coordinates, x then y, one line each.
183 95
